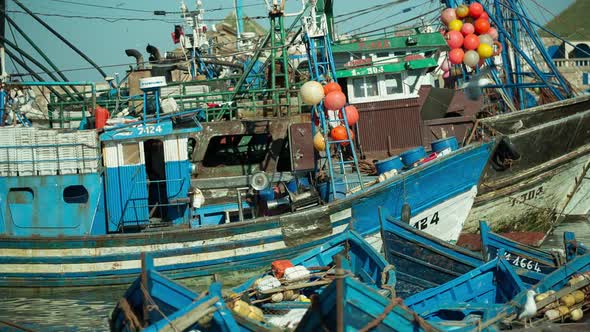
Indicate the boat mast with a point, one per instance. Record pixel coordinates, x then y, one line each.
2 35
239 22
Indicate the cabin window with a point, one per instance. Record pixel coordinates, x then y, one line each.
131 154
382 55
393 84
76 194
365 87
20 196
234 150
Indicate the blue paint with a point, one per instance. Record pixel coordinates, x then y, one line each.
127 196
361 305
362 260
516 253
389 164
410 157
267 194
29 201
421 187
445 143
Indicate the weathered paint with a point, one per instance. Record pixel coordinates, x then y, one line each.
531 204
234 246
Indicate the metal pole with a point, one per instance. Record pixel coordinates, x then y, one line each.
43 55
2 34
72 46
34 61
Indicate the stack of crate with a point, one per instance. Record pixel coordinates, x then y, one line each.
87 151
25 139
8 152
68 162
46 152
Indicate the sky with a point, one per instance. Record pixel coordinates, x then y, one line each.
132 24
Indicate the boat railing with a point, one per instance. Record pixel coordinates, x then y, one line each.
151 208
217 105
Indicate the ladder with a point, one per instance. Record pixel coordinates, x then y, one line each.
342 172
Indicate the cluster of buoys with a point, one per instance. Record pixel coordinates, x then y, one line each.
470 36
568 305
312 93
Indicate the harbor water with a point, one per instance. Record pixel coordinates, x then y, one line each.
89 309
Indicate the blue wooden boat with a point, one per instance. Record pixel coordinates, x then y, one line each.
77 243
352 306
518 254
422 261
476 297
573 247
357 258
153 302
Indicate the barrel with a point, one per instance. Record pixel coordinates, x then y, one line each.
388 164
267 194
445 143
412 156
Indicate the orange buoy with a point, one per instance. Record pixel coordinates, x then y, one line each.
352 115
456 56
454 39
335 100
351 138
482 26
471 42
475 10
338 133
332 86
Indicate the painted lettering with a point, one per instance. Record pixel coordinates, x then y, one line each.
423 223
527 196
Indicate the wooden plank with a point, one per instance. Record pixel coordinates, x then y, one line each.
296 286
564 291
192 316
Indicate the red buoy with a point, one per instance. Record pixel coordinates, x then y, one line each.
332 86
101 114
352 115
335 100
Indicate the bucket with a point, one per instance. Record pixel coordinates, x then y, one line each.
267 194
412 156
296 183
388 164
445 143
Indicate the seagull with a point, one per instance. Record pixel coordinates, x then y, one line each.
530 308
473 88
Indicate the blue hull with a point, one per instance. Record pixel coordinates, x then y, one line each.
517 254
185 253
155 302
361 306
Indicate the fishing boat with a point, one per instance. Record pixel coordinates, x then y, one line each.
518 254
528 193
355 257
155 303
477 299
561 295
423 261
135 188
349 305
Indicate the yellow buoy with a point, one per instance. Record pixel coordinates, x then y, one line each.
485 51
579 296
319 143
577 314
455 25
256 314
552 314
568 300
241 308
277 297
303 298
563 310
541 297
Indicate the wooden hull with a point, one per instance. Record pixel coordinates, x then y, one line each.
209 250
529 191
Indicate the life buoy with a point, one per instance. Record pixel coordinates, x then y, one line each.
498 48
